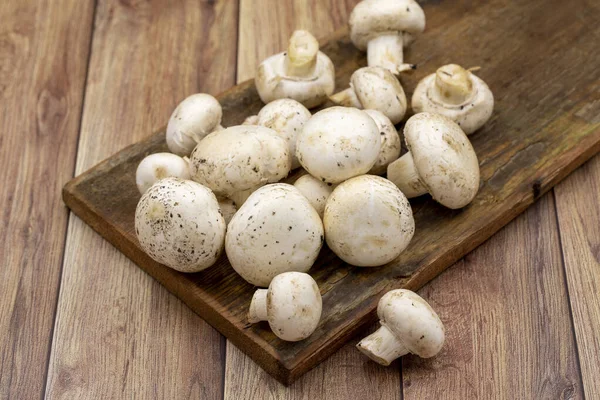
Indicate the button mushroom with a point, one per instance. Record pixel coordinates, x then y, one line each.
338 143
383 28
317 192
228 209
292 304
178 224
240 158
275 231
193 119
374 88
303 73
390 142
441 161
368 221
159 166
408 325
457 94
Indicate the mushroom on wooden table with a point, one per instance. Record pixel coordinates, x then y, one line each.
158 166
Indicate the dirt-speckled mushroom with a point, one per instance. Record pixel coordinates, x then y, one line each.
302 73
456 93
292 304
158 166
368 221
317 192
178 223
275 231
228 209
374 88
408 325
441 161
390 142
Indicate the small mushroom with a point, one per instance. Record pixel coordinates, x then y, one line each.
303 73
456 93
390 142
275 231
292 304
368 221
374 88
159 166
239 198
228 209
193 119
317 192
338 143
408 325
383 28
440 161
178 224
251 120
240 158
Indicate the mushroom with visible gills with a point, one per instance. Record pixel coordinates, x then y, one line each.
292 304
390 142
408 325
456 93
317 192
441 161
158 166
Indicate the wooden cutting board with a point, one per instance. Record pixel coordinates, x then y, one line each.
546 123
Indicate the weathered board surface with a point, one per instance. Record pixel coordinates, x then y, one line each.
545 125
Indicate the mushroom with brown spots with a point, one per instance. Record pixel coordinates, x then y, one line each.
158 166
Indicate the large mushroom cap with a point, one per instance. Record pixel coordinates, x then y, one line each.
378 89
368 221
370 18
444 158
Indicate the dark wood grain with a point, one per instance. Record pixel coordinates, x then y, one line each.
537 135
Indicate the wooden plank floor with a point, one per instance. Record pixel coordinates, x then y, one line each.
79 80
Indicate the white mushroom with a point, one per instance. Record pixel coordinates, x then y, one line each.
193 119
292 304
251 120
303 73
239 198
338 143
317 192
178 223
275 231
408 325
390 142
228 209
240 158
159 166
383 28
457 94
441 161
374 88
368 221
286 117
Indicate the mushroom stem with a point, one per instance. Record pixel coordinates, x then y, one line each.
387 51
258 307
382 346
403 174
453 85
346 98
302 54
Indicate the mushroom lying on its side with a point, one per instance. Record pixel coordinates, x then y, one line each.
408 325
292 304
317 192
158 166
390 142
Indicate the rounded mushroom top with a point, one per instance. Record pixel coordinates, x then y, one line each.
240 158
317 192
444 158
158 166
338 143
457 94
371 18
193 119
412 320
378 89
390 142
294 305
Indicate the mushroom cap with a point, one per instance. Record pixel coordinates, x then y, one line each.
338 143
286 117
317 192
275 231
470 116
390 142
240 158
444 158
378 89
294 306
371 18
272 82
194 118
228 209
412 320
158 166
368 221
178 223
